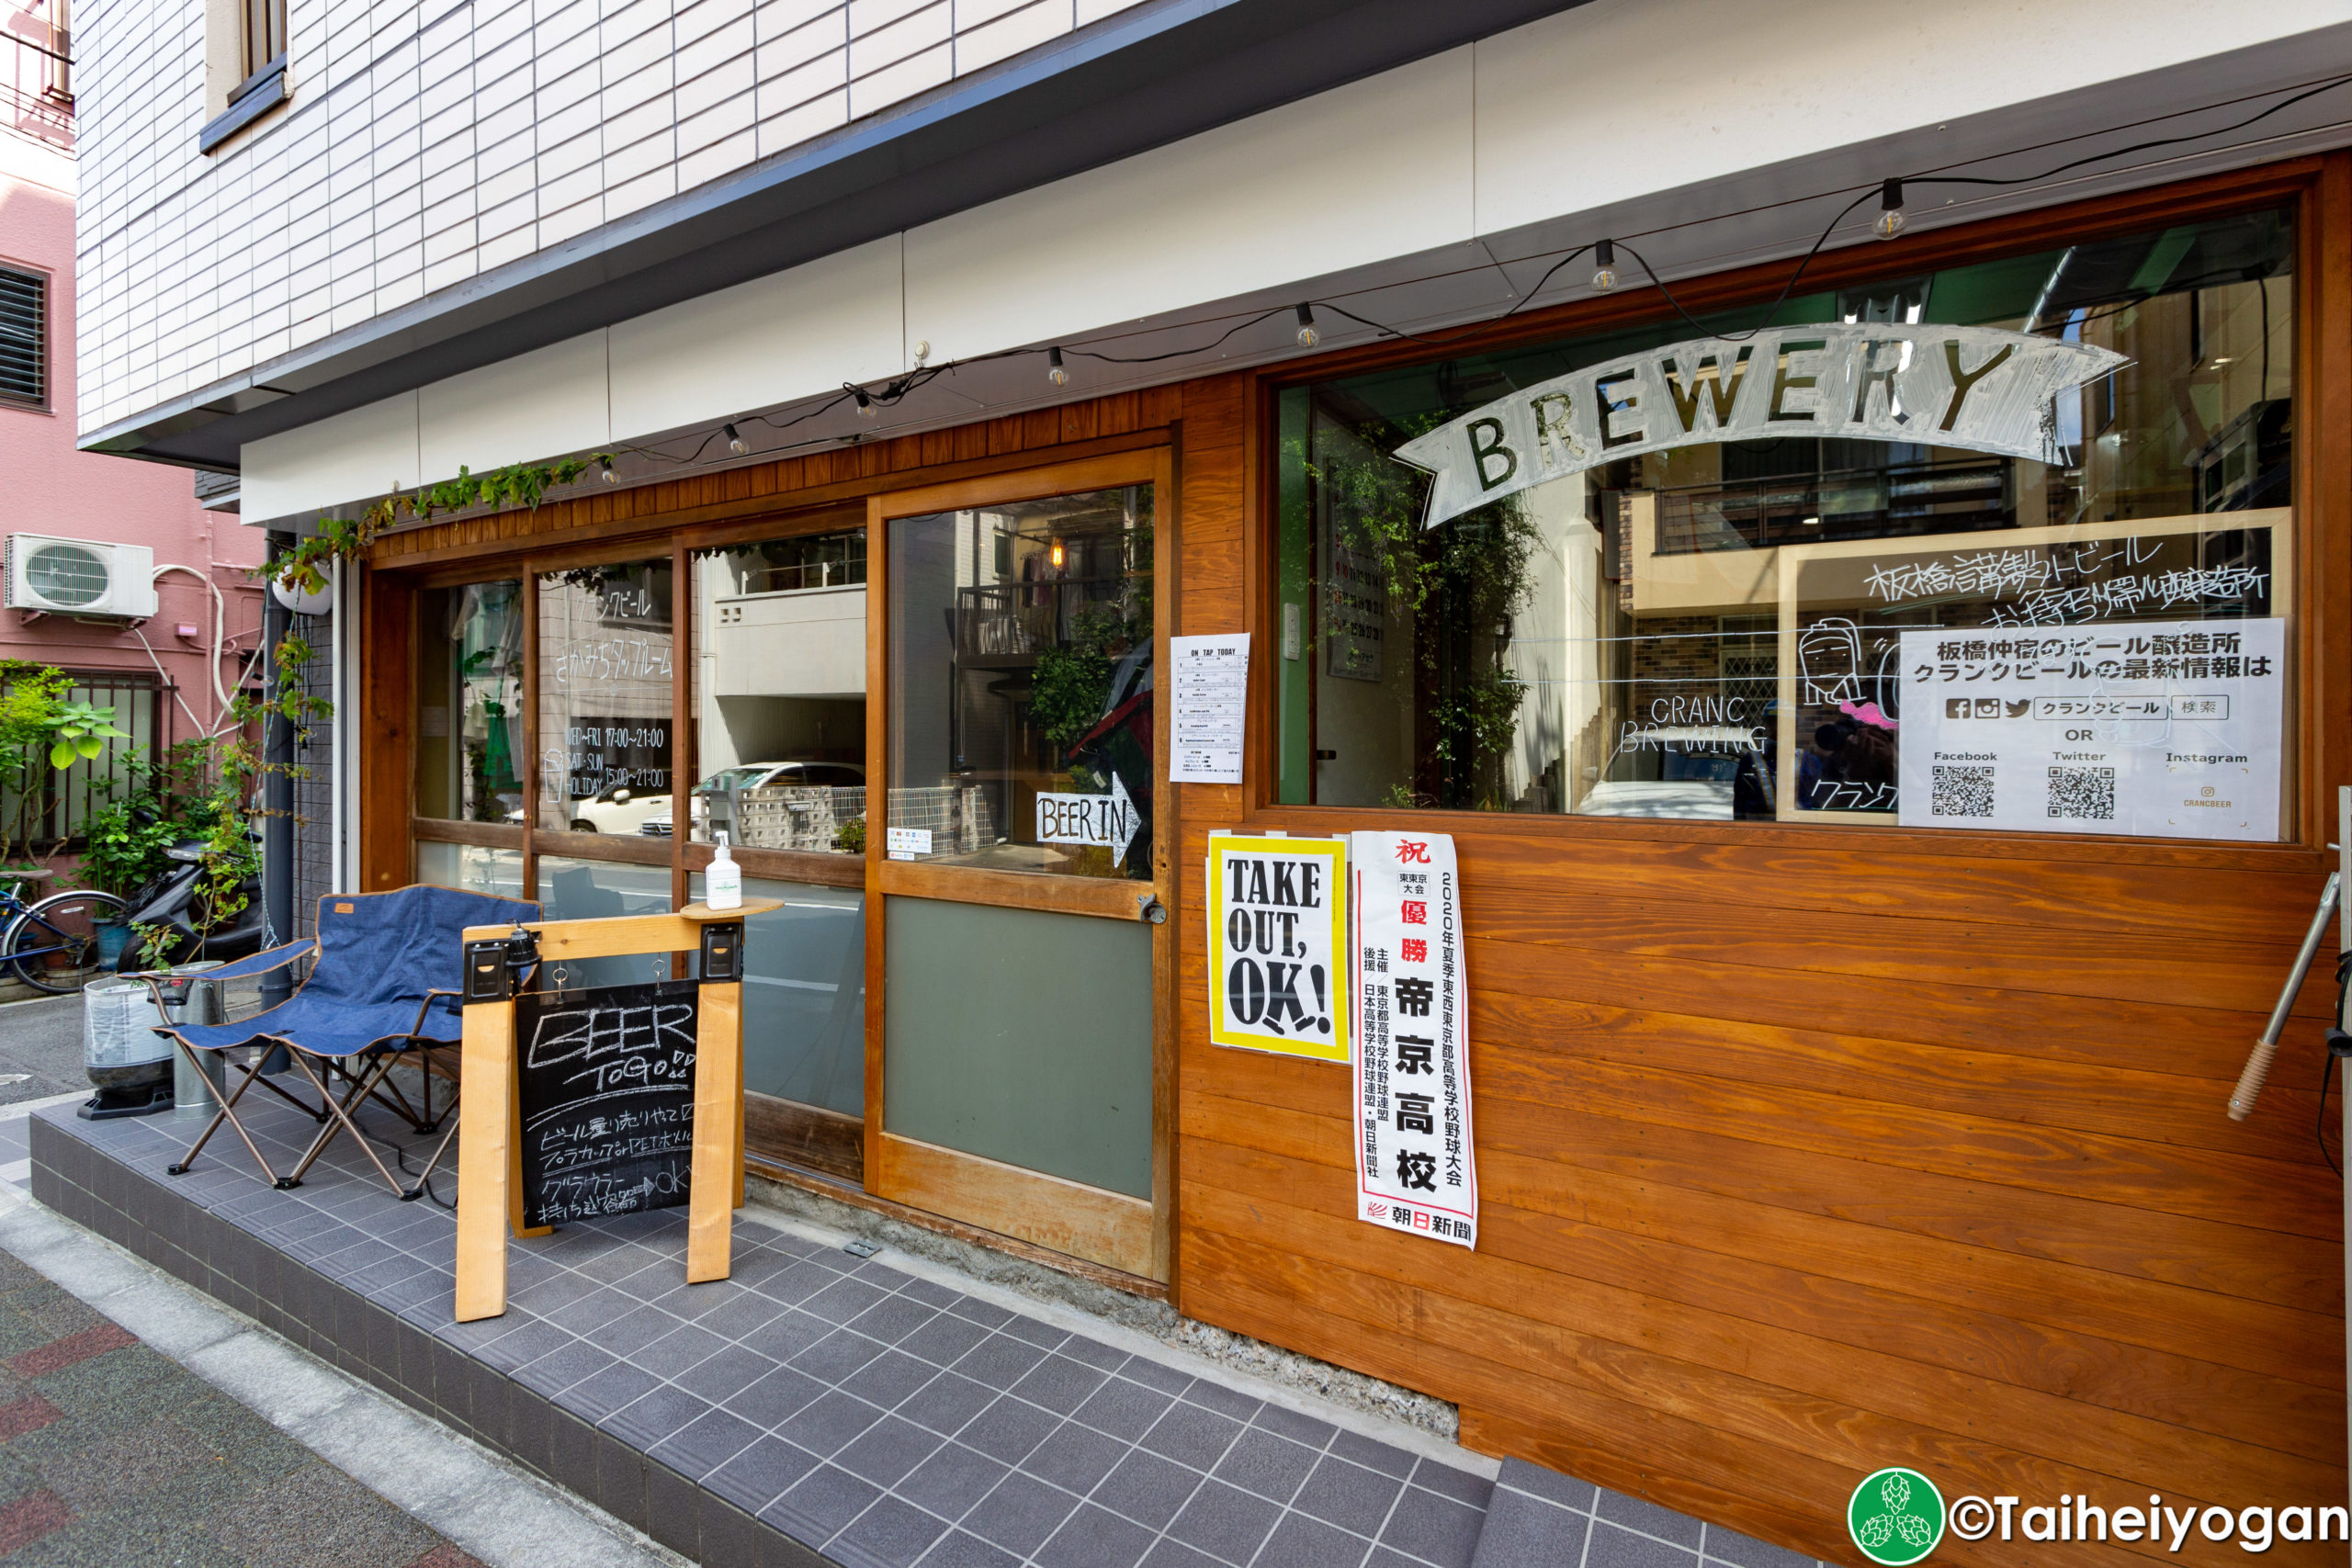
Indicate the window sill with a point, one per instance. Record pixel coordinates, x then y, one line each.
256 96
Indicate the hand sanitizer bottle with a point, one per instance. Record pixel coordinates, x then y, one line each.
722 880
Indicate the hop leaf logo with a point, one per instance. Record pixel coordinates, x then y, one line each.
1896 1517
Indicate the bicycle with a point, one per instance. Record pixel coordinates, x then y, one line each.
50 943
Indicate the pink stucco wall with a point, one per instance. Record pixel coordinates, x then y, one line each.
47 486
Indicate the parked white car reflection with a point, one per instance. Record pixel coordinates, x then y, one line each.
660 823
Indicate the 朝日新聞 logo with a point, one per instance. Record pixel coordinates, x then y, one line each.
1896 1517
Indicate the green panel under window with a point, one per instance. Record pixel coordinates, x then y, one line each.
1021 1036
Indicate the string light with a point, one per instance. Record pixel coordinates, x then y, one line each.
1890 210
1889 222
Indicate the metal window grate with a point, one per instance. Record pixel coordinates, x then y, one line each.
24 336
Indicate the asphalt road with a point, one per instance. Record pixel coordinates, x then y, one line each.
41 1049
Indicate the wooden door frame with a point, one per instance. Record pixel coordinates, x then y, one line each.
1133 1235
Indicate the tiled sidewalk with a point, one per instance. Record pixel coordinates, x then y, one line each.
882 1417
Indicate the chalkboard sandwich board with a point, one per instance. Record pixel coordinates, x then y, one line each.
606 1080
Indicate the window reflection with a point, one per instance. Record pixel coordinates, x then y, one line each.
1712 632
469 702
1020 700
605 694
780 695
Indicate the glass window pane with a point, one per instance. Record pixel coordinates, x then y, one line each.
595 890
469 702
780 694
605 673
1713 631
1021 685
1023 1036
471 868
804 995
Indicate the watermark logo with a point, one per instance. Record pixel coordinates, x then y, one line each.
1896 1517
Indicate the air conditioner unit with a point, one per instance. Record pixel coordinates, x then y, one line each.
80 577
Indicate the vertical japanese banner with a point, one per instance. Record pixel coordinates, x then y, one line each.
1415 1164
1278 941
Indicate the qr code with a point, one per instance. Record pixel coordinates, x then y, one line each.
1963 792
2085 793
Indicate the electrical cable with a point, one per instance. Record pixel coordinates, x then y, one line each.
897 391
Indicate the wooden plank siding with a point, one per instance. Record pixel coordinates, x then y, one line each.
1804 1150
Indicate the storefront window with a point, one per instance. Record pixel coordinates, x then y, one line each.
605 693
1021 686
804 995
472 867
469 702
597 890
1788 626
780 694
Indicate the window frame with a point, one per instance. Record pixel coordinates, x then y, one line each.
44 295
2319 191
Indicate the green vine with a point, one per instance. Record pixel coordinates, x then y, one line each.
240 765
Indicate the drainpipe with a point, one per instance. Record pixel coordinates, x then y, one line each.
278 794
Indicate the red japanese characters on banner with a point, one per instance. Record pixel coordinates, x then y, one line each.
1415 1165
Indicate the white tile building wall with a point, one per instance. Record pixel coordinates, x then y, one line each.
427 142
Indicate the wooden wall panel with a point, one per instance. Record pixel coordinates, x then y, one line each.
1808 1150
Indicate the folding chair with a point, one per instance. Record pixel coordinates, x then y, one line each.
383 984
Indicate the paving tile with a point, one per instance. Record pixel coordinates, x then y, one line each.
828 1424
1290 1424
1224 1521
1299 1541
950 1479
893 1318
734 1320
835 1356
1269 1466
561 1368
594 1398
1223 1400
1745 1552
887 1450
1433 1529
1000 1361
726 1374
1094 1353
1147 1488
1548 1484
678 1351
758 1475
1524 1531
1019 1514
783 1337
796 1285
1192 1435
986 1313
1008 1429
1348 1495
1095 1538
704 1443
1612 1547
1075 1458
630 1333
1372 1455
591 1314
773 1400
1461 1485
1154 1375
1059 1383
889 1379
959 1548
1647 1517
945 1339
1124 1409
946 1402
819 1504
842 1300
931 1293
890 1533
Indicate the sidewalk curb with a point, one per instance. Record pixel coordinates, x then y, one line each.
491 1508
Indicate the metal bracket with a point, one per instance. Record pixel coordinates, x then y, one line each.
722 951
487 979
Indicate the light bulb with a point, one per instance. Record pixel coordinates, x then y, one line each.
1057 553
1055 371
1890 210
735 442
1307 335
867 408
605 466
1604 269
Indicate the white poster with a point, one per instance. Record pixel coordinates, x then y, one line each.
1211 689
1415 1169
1278 930
2166 729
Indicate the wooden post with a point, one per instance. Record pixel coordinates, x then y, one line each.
488 1152
718 1136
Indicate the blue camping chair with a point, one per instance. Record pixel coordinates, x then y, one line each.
383 984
